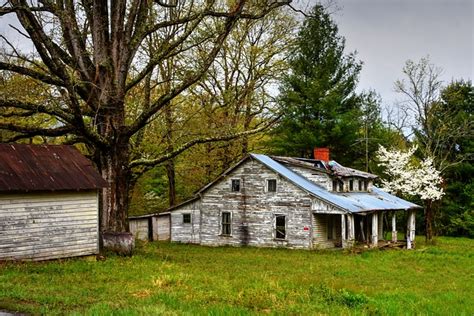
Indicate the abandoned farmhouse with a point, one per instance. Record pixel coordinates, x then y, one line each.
286 202
48 203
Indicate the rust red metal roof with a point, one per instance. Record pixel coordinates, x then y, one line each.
25 168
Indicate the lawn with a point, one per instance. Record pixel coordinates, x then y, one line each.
163 278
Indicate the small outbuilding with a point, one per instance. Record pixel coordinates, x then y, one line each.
150 227
49 202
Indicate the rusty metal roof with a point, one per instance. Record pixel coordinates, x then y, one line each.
25 168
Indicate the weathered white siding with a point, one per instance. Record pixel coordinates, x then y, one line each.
186 232
319 178
320 231
41 226
139 228
253 210
161 227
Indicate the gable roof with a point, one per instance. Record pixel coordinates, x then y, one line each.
25 168
353 202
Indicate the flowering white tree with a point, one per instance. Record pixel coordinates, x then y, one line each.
406 177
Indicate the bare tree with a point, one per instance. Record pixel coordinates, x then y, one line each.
93 53
435 128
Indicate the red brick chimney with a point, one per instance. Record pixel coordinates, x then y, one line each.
321 154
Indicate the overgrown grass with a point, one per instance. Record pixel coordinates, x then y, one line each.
179 279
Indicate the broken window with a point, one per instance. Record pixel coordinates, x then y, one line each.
186 218
365 185
235 186
226 223
341 186
280 226
271 185
351 185
334 185
360 185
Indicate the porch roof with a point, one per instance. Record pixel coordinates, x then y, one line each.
353 202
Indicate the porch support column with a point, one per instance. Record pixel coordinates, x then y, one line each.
343 231
411 230
394 227
350 230
375 230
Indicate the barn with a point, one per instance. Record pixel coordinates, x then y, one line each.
49 202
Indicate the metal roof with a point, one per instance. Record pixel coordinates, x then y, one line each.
25 168
354 202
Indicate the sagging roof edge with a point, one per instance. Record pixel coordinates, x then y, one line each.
148 215
323 199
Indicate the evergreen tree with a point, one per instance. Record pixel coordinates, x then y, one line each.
319 104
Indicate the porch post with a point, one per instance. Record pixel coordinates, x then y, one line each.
411 230
343 231
394 227
350 230
375 229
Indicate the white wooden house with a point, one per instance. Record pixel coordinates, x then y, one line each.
289 202
48 203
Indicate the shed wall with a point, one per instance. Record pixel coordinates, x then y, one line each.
139 228
253 210
186 232
161 227
44 226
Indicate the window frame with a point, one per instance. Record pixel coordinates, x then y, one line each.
229 223
190 218
267 187
275 227
232 184
351 184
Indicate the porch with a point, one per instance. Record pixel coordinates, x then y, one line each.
347 229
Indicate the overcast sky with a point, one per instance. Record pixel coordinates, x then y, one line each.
388 32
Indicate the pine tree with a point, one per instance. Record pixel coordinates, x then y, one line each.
318 99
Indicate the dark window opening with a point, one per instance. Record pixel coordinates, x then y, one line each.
351 185
365 185
341 186
280 227
186 218
235 185
271 185
330 227
360 185
334 185
226 223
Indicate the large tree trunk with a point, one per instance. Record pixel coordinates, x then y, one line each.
429 210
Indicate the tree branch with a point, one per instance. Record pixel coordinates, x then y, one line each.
180 149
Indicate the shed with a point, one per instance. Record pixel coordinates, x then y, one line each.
49 202
150 227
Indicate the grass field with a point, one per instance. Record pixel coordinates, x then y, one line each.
165 278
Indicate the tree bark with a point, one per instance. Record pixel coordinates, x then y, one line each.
429 221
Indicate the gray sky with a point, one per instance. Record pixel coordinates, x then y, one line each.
388 32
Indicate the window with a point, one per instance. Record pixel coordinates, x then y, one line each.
341 186
351 185
226 223
360 185
365 185
280 226
338 185
186 218
334 185
271 185
235 185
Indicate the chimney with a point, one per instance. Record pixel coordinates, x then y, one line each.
321 154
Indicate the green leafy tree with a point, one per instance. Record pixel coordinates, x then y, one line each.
318 102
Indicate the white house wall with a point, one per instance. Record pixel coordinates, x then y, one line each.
253 210
48 225
186 232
